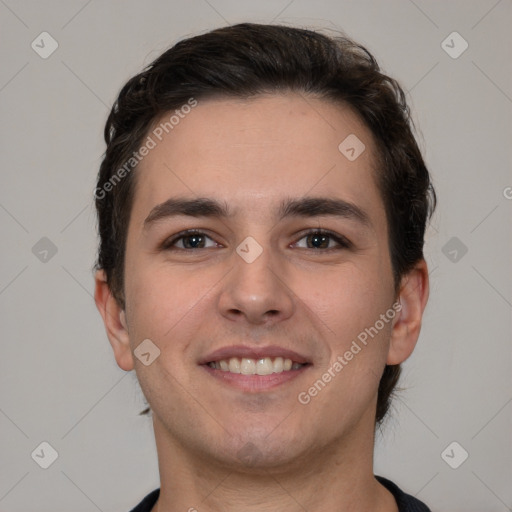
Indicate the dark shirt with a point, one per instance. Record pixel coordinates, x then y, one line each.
405 502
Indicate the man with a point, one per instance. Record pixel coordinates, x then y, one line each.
262 205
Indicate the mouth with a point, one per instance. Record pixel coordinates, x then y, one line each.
254 370
249 366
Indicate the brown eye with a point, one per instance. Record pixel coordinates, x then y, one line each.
320 239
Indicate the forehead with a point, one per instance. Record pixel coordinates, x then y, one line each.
252 152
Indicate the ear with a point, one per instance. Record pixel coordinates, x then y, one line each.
413 296
115 322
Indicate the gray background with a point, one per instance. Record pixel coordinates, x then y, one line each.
58 379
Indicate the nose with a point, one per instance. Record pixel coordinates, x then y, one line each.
257 292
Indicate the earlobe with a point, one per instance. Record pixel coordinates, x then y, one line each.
114 319
413 298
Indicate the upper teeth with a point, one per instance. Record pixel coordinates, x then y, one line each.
248 366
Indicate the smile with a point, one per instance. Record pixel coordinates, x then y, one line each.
254 369
253 366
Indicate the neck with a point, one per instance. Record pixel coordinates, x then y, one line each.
336 478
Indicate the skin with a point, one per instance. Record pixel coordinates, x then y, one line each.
251 154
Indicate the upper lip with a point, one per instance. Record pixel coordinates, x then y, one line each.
252 352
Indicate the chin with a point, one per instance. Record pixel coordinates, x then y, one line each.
261 450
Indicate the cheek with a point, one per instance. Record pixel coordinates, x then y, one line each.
348 310
153 300
347 300
164 301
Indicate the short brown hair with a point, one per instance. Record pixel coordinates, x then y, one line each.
246 60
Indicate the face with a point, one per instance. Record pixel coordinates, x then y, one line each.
255 244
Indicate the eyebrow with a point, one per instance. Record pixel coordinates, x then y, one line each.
300 207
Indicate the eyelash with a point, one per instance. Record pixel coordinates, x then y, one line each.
343 243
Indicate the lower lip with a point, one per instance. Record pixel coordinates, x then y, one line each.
255 383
